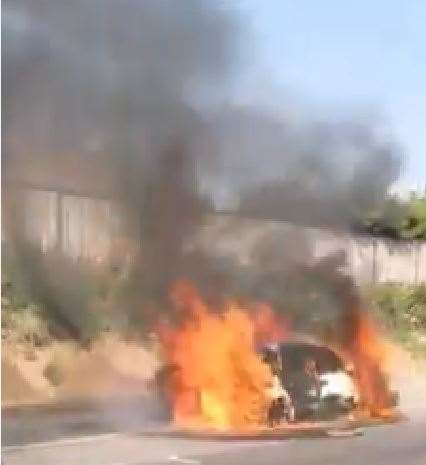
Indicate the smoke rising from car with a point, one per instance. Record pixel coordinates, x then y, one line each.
101 99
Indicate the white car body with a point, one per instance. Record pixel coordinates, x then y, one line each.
338 383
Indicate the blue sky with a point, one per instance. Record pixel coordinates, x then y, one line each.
354 53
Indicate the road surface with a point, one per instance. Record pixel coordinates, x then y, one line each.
115 438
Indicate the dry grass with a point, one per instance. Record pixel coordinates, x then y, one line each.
63 371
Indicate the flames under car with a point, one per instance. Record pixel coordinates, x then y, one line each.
297 395
314 381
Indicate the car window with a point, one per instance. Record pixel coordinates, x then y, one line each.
295 355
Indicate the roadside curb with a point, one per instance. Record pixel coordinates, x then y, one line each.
338 429
70 405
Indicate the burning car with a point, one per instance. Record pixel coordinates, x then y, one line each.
314 377
218 372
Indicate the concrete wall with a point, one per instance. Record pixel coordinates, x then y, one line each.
375 260
88 228
368 259
81 227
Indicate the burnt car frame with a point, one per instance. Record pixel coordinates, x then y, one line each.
315 378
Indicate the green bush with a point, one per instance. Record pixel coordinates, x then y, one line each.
25 325
402 310
52 290
400 307
396 218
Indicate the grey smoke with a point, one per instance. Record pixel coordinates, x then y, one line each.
96 101
107 87
313 172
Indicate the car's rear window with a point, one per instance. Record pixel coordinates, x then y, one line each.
294 356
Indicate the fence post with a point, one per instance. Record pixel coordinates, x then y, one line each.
374 270
59 222
416 262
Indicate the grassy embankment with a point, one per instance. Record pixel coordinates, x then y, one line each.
402 312
40 364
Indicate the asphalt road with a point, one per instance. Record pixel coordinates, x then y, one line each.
115 438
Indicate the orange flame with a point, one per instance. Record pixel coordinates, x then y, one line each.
219 380
268 326
370 355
